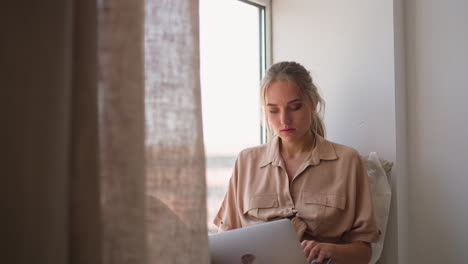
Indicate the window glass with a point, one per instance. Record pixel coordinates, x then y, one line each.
230 65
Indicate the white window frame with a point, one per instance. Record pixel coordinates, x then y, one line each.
267 41
265 48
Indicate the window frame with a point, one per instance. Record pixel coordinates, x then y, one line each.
265 48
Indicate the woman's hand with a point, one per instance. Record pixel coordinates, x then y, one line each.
352 253
315 250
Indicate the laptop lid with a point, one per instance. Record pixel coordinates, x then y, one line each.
267 243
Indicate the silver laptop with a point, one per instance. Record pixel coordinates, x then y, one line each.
269 243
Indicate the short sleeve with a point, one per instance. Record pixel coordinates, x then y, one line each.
364 227
227 217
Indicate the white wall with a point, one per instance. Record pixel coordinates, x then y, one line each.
349 48
437 83
394 75
351 61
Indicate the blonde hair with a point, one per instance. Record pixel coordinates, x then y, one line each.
295 73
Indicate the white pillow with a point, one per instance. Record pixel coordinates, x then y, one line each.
379 171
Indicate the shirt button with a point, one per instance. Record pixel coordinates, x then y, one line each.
287 210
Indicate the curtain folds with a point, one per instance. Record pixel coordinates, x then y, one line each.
151 160
121 130
175 167
85 221
103 149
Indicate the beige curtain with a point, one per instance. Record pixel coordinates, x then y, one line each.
121 130
174 141
152 189
105 156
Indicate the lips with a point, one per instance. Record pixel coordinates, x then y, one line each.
288 130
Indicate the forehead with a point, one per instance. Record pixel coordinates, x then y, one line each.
281 92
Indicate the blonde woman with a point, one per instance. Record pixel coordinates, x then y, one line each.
300 175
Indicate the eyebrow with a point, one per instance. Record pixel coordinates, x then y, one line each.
290 102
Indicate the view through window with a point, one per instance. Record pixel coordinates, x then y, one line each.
232 61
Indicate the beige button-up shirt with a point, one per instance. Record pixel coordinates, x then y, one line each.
330 193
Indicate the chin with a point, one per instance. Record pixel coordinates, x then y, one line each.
289 138
296 137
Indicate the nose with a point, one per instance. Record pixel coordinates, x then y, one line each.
285 119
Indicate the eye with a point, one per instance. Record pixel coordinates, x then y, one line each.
295 107
273 109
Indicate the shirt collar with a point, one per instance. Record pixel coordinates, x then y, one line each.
323 150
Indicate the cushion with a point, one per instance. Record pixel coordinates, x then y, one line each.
379 171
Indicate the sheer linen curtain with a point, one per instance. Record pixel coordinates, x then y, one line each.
105 156
175 163
153 201
121 130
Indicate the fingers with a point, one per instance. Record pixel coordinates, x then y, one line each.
314 250
321 256
307 245
310 249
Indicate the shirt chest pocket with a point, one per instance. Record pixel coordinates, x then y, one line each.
263 207
319 208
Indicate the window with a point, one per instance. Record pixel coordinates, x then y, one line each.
233 58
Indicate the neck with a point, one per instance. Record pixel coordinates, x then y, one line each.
291 150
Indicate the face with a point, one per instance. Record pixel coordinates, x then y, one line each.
288 112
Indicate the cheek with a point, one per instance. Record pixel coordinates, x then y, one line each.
272 121
305 119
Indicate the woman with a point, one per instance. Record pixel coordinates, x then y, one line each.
300 175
